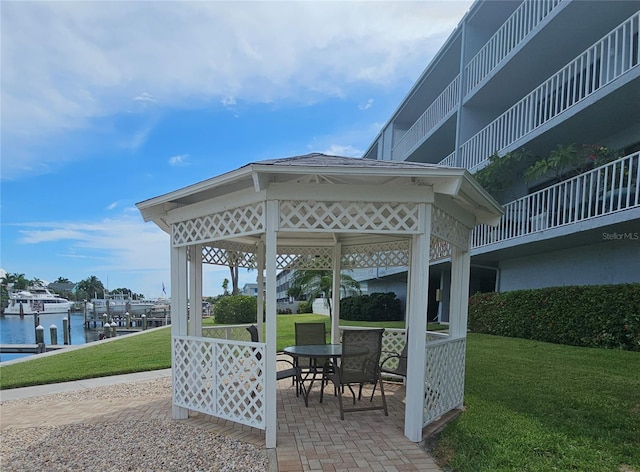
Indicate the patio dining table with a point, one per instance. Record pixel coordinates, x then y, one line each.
312 351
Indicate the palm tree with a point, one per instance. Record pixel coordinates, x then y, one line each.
234 258
36 282
315 283
89 287
19 281
8 279
234 279
15 280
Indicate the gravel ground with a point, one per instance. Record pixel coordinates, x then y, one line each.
136 445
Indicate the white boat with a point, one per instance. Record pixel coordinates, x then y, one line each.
117 304
36 299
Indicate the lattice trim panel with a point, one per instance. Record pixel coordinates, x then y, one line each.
439 249
240 255
349 216
447 228
239 221
305 258
388 254
220 378
444 378
394 340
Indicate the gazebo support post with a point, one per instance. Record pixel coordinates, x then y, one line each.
178 313
195 290
260 280
271 254
417 309
460 270
335 301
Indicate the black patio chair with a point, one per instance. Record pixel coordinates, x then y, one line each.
309 333
400 368
359 365
280 374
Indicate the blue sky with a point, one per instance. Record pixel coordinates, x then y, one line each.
106 104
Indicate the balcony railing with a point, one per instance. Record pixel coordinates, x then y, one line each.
512 33
450 160
437 111
601 64
602 191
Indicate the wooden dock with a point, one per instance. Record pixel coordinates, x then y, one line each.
29 348
22 348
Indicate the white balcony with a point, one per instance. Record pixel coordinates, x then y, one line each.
437 112
605 61
608 189
510 35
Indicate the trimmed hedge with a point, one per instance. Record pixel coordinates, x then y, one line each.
602 316
235 309
374 307
305 307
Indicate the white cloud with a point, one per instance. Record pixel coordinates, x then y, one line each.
122 252
340 150
67 64
179 160
145 97
365 106
228 101
113 206
125 247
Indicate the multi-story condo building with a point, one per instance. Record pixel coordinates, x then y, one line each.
534 75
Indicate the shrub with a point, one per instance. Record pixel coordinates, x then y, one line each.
305 307
235 309
603 316
374 307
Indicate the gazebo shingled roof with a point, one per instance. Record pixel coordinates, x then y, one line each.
323 212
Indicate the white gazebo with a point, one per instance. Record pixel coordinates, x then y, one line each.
316 212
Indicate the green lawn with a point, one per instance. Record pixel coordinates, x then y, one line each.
530 406
533 406
148 351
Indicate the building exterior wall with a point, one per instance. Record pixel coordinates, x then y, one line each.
608 262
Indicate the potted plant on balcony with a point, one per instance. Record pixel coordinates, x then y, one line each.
500 174
568 161
500 177
565 162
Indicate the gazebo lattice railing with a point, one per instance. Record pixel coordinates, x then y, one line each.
243 406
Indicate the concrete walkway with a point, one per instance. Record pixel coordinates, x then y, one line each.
309 438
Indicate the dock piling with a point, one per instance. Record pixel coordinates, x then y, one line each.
39 334
66 331
53 331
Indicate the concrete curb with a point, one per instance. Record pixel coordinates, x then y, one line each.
37 390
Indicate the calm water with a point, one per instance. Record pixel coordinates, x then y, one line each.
14 330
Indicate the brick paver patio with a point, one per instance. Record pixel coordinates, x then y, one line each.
309 438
